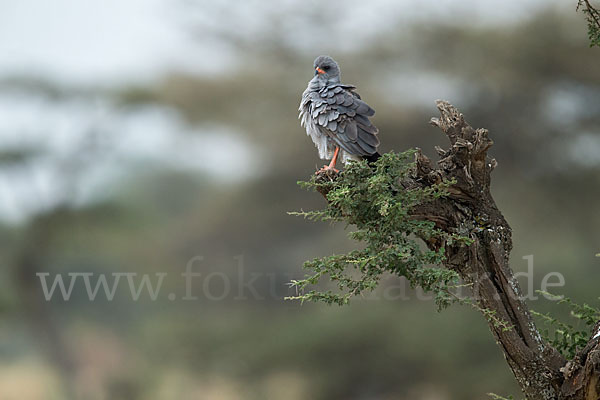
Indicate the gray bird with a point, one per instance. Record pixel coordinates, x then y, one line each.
336 118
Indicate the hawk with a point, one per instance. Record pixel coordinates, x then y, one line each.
336 118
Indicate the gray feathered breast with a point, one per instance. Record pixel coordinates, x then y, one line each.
334 115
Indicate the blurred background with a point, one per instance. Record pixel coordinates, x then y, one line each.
138 136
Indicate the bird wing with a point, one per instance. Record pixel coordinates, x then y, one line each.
340 114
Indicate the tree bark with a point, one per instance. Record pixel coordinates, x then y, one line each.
469 210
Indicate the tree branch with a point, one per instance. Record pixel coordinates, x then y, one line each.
593 20
592 12
470 211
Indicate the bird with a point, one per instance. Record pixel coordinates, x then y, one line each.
336 118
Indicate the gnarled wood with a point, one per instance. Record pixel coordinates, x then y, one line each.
470 210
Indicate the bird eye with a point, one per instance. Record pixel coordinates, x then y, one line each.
326 67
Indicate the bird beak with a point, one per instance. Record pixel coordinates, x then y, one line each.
319 71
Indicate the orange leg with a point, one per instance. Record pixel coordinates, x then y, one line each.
334 159
332 163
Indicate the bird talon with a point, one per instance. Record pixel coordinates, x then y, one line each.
327 168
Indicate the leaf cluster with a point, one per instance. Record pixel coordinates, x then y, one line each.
565 337
592 16
372 199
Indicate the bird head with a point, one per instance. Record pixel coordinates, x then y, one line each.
327 69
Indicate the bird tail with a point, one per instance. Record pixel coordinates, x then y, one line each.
371 158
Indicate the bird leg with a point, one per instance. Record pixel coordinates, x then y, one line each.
334 159
331 165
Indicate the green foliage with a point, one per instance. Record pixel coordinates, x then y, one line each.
592 16
372 199
489 314
566 338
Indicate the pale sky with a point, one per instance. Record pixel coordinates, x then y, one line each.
111 41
